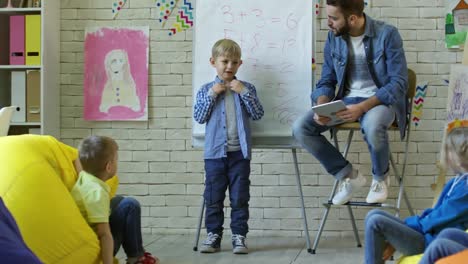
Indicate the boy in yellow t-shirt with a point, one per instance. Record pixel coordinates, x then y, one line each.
115 223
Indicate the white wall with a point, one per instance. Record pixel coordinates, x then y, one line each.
158 166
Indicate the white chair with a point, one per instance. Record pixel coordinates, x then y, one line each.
5 117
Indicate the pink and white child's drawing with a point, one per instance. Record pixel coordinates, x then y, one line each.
116 73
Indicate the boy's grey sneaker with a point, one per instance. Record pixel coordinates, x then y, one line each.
211 244
238 245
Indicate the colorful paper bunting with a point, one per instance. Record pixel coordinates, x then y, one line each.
165 9
184 19
418 103
117 6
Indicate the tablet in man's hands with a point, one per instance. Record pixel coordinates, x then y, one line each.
329 110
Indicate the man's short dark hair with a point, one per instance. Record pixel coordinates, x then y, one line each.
349 7
95 152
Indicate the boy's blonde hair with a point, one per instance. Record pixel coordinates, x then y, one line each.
226 47
456 143
95 152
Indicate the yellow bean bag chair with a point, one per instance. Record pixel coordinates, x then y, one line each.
410 259
36 176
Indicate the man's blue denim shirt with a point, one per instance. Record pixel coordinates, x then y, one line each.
387 65
210 108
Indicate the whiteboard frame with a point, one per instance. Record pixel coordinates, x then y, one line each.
286 141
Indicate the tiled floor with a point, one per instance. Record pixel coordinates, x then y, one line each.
263 250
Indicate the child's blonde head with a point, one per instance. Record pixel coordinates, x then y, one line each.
456 150
226 47
95 152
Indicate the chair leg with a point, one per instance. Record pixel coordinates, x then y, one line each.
301 196
353 223
322 225
408 204
200 218
324 217
329 204
400 179
350 210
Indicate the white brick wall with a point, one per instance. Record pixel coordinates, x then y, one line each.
159 167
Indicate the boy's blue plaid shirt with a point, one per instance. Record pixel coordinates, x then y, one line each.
210 108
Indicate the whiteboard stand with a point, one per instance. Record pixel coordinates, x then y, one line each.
269 143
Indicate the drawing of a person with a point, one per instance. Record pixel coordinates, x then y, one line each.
458 107
120 88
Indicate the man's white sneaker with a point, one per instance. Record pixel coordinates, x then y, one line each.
347 187
378 191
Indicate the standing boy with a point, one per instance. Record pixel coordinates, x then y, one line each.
226 104
119 225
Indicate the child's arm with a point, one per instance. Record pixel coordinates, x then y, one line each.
204 104
107 242
249 97
449 210
78 167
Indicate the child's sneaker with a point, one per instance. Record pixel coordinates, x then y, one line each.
238 245
147 258
211 244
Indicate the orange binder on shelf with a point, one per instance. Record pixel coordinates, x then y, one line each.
17 40
33 39
33 96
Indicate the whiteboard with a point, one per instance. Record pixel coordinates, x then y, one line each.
276 42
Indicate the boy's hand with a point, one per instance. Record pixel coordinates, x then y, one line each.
236 86
219 88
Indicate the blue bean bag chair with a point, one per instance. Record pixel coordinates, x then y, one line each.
12 247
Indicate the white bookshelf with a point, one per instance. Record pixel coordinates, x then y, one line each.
15 10
50 51
20 67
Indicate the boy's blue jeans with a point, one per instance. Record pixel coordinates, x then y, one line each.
125 225
382 227
374 125
233 172
448 242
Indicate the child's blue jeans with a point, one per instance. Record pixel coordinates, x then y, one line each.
448 242
125 225
382 227
233 172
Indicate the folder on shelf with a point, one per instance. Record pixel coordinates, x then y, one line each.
33 39
33 96
17 40
35 130
18 95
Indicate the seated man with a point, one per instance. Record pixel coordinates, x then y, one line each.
366 60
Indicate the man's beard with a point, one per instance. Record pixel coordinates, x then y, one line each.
342 31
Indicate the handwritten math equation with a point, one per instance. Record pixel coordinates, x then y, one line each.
270 44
